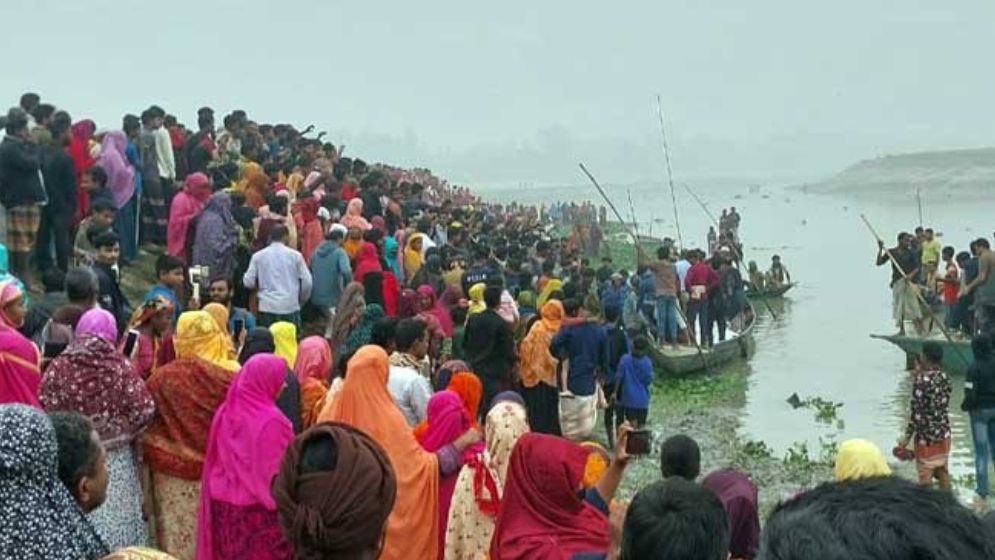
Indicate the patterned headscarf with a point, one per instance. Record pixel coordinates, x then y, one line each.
38 517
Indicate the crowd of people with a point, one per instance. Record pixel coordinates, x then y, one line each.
343 360
926 274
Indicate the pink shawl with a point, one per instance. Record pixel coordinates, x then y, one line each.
185 207
19 373
120 174
354 215
436 309
248 437
447 419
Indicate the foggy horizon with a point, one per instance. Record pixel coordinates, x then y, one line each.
770 91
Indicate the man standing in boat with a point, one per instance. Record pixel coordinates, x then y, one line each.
983 288
904 292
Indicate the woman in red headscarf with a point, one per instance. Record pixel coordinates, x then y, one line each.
313 368
447 419
545 513
366 262
79 151
185 207
20 375
305 211
237 516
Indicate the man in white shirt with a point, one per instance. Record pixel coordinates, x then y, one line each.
163 148
283 280
409 388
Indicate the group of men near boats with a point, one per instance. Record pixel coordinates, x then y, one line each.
926 274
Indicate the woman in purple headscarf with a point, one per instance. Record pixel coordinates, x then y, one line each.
215 237
93 378
121 182
739 497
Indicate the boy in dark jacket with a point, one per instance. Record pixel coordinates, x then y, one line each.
110 296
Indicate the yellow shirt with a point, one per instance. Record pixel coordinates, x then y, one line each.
931 251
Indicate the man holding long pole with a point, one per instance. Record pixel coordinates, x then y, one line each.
905 267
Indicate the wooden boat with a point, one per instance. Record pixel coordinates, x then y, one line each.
686 359
957 355
771 292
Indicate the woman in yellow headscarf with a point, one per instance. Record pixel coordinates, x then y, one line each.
859 458
219 313
285 339
538 370
553 285
186 392
476 294
413 259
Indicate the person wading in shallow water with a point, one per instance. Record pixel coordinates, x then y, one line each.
904 292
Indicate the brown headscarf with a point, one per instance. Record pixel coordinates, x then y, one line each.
327 513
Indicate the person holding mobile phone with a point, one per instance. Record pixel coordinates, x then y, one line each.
154 346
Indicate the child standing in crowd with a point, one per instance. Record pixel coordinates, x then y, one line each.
632 381
111 298
102 213
169 271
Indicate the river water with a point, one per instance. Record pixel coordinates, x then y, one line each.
819 345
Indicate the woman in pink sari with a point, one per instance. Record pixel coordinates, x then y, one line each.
354 215
237 516
447 420
185 207
20 376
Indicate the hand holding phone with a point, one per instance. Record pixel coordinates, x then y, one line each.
639 442
129 343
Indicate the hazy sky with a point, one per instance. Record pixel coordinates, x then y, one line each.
521 91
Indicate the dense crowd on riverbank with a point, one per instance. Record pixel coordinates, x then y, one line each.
340 360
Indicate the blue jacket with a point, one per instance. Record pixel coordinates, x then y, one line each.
331 272
636 375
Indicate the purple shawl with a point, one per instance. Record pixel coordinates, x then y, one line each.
214 240
120 174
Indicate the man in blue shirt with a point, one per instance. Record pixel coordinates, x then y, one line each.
585 344
169 271
221 291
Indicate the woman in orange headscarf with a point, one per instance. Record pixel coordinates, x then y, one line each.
312 367
538 369
469 389
365 404
255 184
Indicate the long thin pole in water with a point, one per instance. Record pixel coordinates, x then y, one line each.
915 289
670 172
735 249
919 201
639 251
635 223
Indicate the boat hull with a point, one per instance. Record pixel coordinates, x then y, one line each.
957 355
687 359
771 293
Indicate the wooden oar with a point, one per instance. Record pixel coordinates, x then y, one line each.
670 173
639 250
915 289
735 249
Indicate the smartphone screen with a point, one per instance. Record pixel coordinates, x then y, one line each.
638 442
239 326
129 343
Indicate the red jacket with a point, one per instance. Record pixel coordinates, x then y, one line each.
701 274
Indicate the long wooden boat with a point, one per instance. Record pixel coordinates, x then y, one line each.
686 359
957 355
771 292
